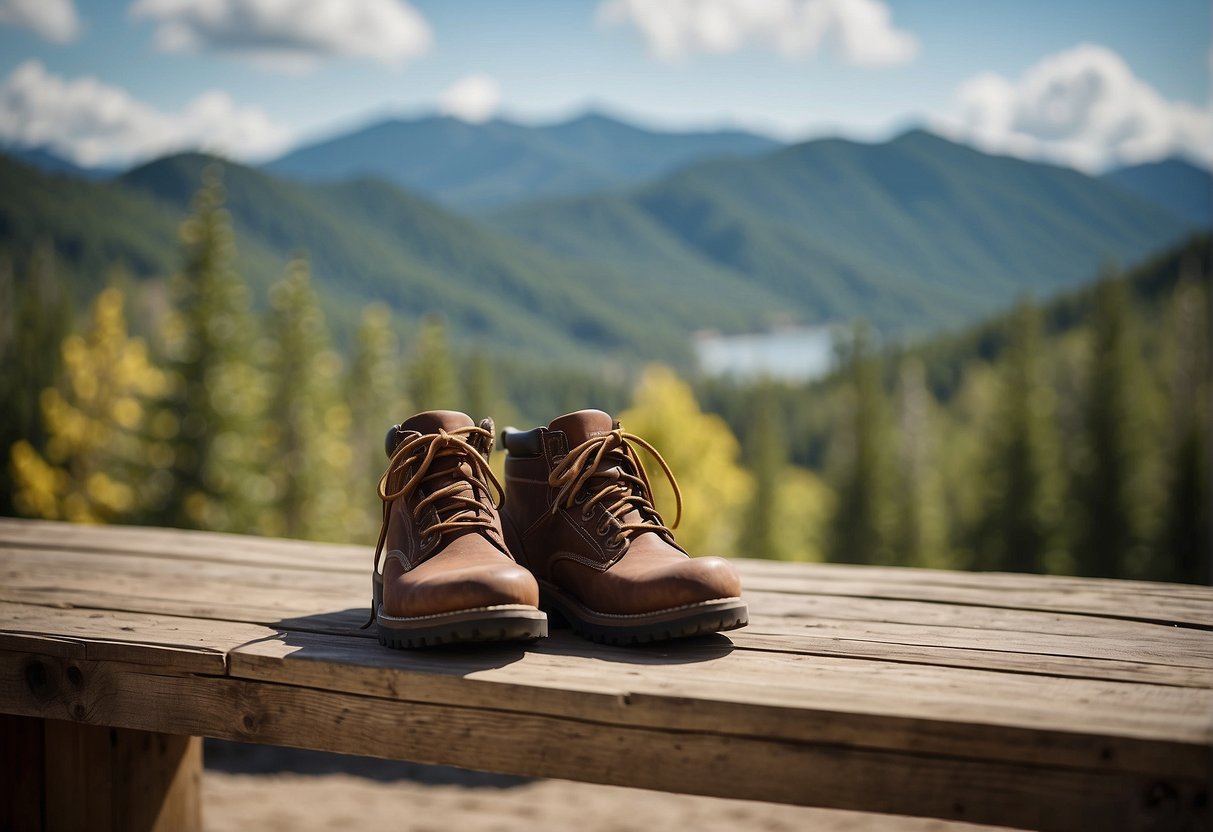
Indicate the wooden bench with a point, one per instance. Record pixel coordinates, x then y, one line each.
1034 702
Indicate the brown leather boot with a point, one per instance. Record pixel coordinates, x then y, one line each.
447 575
579 514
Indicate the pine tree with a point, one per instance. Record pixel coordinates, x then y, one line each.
97 464
35 317
1020 524
703 454
1109 483
431 373
211 419
376 401
920 522
308 423
766 455
1184 551
860 527
481 395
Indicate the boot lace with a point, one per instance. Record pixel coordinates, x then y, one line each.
618 490
462 504
459 505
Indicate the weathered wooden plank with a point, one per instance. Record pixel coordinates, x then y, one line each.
176 544
697 762
1177 603
172 643
127 575
561 674
680 674
915 576
1149 644
976 658
1050 643
920 709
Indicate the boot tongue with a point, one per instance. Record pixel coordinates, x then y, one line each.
583 425
431 421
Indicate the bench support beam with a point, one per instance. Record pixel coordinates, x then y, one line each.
56 774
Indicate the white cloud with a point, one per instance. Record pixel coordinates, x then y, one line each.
473 99
290 34
94 123
1082 107
54 20
862 31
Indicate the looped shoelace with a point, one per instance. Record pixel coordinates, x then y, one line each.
418 454
629 491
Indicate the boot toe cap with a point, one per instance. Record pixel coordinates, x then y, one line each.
696 580
425 592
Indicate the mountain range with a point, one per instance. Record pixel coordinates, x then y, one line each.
913 234
909 234
475 167
1175 184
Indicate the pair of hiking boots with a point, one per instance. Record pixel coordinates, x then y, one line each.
573 534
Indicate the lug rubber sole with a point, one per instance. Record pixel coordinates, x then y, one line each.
713 616
507 622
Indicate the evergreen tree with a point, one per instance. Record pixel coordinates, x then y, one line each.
1109 483
767 461
308 424
1019 528
1184 551
920 531
35 317
860 527
212 415
703 454
431 373
96 464
376 401
481 393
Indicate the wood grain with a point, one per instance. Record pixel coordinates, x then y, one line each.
1024 700
696 762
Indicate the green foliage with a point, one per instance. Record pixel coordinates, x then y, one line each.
431 377
374 393
308 421
96 465
766 456
909 235
920 519
35 317
1020 527
212 416
1185 545
1111 490
860 530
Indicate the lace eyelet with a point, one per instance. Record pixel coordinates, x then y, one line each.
603 528
580 498
614 543
586 516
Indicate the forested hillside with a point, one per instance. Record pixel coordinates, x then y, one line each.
1068 436
368 241
910 235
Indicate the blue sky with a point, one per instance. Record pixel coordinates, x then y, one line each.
1081 82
